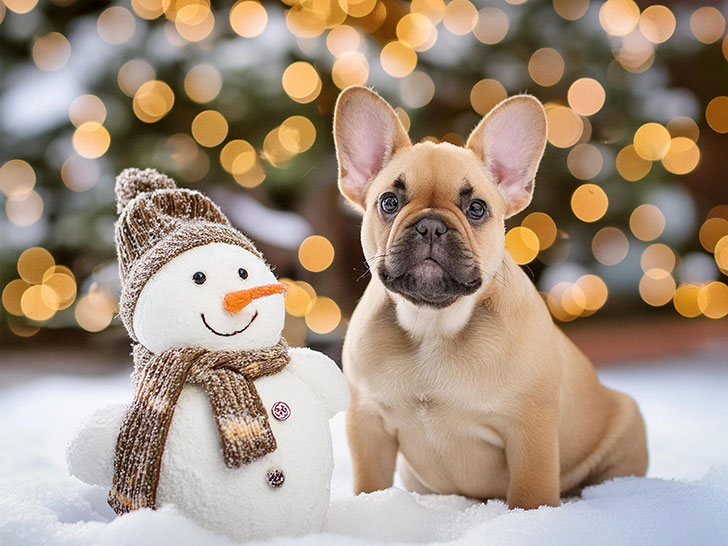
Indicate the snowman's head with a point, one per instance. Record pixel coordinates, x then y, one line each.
217 296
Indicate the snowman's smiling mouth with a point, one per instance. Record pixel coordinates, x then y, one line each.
255 316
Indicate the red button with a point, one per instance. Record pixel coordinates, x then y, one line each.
281 411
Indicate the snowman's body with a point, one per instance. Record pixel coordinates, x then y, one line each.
238 502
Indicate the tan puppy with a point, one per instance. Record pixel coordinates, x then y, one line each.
452 357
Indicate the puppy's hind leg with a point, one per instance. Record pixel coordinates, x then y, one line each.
373 450
627 455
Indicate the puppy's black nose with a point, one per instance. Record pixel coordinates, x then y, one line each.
430 227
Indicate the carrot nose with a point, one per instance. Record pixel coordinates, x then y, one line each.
236 301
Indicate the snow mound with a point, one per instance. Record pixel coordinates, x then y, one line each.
684 501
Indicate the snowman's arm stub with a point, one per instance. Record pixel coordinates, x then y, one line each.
322 376
90 454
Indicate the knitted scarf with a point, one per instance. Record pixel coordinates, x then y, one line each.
227 377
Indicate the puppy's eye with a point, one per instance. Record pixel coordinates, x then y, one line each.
199 277
388 203
476 209
243 273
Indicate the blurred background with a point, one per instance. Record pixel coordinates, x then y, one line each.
627 237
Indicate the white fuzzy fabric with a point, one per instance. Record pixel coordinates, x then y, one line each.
168 312
237 503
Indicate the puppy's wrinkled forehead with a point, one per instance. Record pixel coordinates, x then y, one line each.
432 174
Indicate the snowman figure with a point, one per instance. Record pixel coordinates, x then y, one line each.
227 423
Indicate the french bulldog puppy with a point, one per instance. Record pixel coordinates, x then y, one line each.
452 357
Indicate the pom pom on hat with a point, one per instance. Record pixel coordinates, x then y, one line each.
132 182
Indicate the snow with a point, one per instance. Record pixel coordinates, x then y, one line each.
684 499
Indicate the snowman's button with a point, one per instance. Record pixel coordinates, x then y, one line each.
275 478
281 411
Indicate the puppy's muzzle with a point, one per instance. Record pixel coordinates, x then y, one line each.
430 263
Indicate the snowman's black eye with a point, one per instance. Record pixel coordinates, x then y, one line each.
199 277
243 273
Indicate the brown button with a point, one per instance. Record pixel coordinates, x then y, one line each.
281 411
275 477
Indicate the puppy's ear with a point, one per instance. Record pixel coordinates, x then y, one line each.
510 140
367 132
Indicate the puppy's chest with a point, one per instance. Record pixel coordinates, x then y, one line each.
428 385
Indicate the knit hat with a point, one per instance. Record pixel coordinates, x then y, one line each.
157 222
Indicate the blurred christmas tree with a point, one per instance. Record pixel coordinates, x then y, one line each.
236 99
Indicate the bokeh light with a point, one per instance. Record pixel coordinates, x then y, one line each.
652 141
589 202
20 6
152 101
546 66
712 231
248 18
460 17
398 59
682 156
203 83
91 140
685 300
657 23
716 114
350 68
630 165
297 134
522 244
87 108
301 82
116 25
565 127
657 256
619 17
610 246
486 94
657 287
713 300
586 96
571 10
647 222
316 253
322 315
543 226
133 74
51 52
209 128
94 311
17 179
492 26
707 24
584 161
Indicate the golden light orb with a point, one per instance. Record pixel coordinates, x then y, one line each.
589 202
522 244
586 96
652 141
316 253
486 94
322 315
248 18
543 226
301 82
398 59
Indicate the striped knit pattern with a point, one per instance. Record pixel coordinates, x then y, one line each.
227 377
